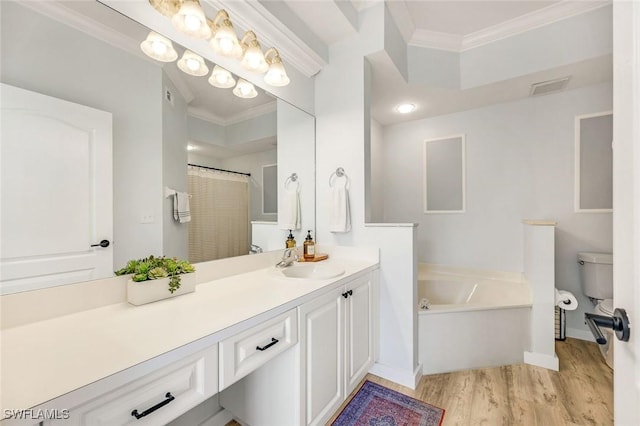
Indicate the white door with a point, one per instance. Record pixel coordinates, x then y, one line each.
56 191
359 331
322 352
626 207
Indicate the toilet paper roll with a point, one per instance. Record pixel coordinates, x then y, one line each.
566 300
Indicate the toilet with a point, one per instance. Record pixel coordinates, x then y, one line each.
596 279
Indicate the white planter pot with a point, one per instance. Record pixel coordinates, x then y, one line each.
139 293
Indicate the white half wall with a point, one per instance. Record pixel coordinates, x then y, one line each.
519 164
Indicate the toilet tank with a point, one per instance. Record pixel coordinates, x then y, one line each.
596 274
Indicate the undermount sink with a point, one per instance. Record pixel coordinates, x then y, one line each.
312 271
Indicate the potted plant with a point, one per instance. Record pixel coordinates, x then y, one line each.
156 278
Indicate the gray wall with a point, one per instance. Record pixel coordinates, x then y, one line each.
174 166
520 165
42 55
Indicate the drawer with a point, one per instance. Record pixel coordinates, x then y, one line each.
245 352
171 390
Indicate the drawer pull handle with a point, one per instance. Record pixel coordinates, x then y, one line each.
264 348
148 411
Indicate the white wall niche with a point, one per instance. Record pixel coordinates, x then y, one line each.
593 163
270 189
444 167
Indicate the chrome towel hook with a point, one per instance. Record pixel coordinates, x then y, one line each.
338 173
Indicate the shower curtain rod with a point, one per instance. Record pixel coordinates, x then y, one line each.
220 170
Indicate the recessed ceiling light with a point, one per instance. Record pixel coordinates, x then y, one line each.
191 147
405 108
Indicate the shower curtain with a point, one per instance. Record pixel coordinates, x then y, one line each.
219 224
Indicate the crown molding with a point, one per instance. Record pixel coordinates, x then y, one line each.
248 114
205 115
436 40
536 19
271 32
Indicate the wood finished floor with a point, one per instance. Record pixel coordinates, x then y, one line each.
581 393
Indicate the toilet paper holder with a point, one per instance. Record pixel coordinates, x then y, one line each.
619 323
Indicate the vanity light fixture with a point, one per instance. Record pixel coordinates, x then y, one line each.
276 74
253 58
190 19
244 89
224 41
192 64
221 78
405 108
159 48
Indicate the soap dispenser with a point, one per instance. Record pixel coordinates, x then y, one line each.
309 247
291 242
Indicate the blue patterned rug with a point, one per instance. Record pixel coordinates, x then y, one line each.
375 405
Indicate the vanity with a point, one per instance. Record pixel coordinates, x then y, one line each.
277 350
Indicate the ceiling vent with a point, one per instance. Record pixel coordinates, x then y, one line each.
550 86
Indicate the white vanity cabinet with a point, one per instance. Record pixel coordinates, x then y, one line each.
153 399
337 346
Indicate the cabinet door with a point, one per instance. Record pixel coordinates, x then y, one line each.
359 348
322 352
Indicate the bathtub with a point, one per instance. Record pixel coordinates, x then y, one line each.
475 319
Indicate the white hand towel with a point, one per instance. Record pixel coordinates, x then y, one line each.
181 209
289 214
339 214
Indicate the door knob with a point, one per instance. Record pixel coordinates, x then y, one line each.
619 323
103 244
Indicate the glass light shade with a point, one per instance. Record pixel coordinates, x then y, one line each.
253 58
221 78
225 42
192 64
276 75
245 90
159 48
191 20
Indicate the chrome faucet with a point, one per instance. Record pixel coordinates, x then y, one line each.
255 249
288 257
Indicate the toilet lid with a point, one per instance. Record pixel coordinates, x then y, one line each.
606 306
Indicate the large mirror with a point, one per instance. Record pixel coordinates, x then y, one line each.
161 120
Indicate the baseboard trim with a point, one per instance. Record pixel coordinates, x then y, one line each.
396 375
580 334
542 360
220 418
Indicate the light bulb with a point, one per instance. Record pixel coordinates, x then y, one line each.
276 76
193 64
244 89
226 44
192 22
221 78
190 19
158 47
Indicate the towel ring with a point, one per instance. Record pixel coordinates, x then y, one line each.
292 178
338 173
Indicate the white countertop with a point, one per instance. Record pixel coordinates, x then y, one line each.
46 359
